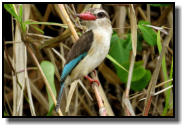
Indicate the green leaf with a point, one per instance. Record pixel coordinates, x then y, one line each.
9 8
139 41
148 33
171 71
46 23
20 13
138 72
164 69
49 70
119 55
5 114
50 111
159 42
159 5
38 29
119 50
142 83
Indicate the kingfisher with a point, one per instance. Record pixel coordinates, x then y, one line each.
90 49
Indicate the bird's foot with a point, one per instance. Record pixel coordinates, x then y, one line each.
92 80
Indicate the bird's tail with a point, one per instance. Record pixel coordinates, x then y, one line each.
59 98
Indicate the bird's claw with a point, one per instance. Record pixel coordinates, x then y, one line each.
92 80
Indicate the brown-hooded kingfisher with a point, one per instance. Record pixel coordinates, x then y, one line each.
90 49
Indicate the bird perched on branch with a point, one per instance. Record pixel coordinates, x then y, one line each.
90 49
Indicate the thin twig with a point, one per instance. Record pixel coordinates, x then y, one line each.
161 84
46 15
159 92
71 91
126 101
142 13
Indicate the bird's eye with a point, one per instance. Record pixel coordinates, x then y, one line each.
101 15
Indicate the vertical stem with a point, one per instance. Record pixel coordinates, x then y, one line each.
148 13
129 110
153 81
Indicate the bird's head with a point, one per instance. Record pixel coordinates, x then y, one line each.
95 17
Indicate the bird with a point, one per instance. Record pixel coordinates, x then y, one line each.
89 50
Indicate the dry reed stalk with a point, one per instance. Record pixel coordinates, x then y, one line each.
142 13
67 20
71 91
128 107
44 77
19 50
86 106
133 22
148 13
120 14
46 15
129 110
153 81
18 64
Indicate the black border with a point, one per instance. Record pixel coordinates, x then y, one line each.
176 113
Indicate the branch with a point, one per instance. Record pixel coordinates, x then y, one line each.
104 106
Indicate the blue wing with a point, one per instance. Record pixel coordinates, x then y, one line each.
66 70
68 67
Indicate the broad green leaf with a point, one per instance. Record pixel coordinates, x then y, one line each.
139 41
118 49
138 72
142 83
49 70
119 55
148 33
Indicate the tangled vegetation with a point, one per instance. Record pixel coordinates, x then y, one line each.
136 77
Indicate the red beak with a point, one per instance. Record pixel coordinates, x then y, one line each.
86 16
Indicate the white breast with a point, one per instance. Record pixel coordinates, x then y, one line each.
96 54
